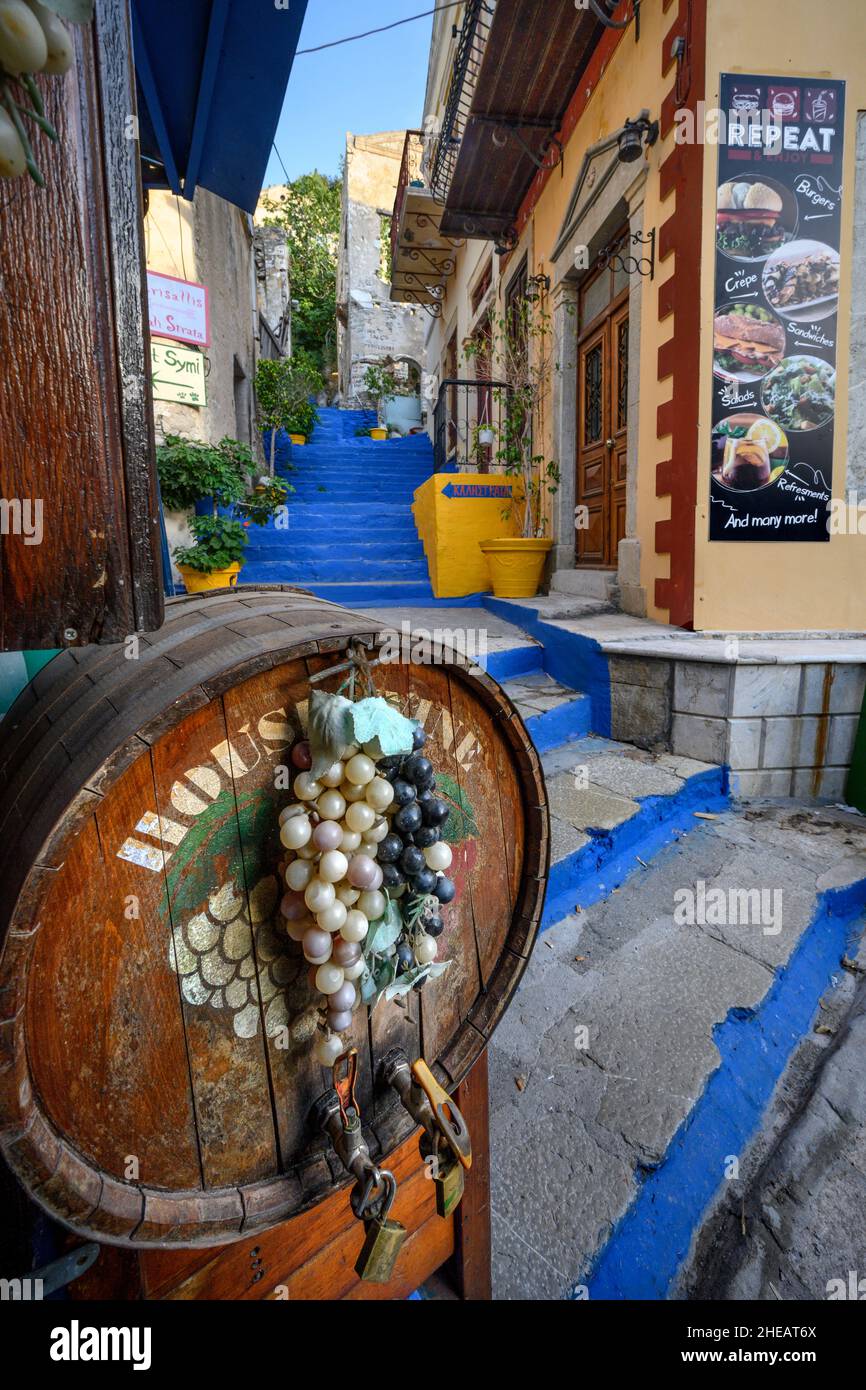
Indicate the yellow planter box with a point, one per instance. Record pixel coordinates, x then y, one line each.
298 438
453 513
197 582
378 433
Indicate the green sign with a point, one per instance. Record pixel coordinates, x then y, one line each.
178 374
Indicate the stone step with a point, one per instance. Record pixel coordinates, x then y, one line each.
335 571
299 548
553 713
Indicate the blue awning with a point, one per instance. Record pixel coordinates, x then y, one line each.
212 75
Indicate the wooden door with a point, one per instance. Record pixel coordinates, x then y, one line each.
602 437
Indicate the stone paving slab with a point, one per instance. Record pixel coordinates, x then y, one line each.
587 808
576 1116
501 635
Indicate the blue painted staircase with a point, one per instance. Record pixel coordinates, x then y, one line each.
351 536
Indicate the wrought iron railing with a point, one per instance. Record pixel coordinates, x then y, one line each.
470 424
467 65
410 172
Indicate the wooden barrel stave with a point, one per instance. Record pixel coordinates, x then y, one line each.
251 1174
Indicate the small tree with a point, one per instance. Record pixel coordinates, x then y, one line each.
381 382
521 354
284 386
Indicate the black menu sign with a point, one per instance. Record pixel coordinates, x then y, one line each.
778 216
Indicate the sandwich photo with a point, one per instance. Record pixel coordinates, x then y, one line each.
748 341
752 219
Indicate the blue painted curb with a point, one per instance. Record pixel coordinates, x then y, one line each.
565 724
569 657
517 661
610 856
648 1247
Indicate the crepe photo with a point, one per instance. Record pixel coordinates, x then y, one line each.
748 342
753 218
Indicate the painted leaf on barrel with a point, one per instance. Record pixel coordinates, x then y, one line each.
461 822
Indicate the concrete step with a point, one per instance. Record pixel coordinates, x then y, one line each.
586 583
553 713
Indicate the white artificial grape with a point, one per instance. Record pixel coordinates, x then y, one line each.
318 895
331 805
372 904
380 794
333 866
329 978
438 856
328 1048
334 776
360 817
426 950
356 926
332 918
347 895
299 873
360 769
306 788
296 832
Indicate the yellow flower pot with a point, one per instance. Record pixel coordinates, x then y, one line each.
378 434
197 582
298 438
516 564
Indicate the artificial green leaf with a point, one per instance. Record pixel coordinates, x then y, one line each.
76 11
461 822
380 729
407 981
384 931
330 729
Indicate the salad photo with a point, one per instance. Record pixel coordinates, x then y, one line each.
749 452
748 341
800 394
754 217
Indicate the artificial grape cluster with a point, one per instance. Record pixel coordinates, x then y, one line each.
32 40
356 833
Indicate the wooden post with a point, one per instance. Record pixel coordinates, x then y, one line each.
469 1269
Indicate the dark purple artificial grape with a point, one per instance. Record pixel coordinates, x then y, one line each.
435 811
424 796
404 792
433 926
427 835
418 769
412 861
419 738
425 881
389 768
408 818
405 956
391 876
390 849
445 890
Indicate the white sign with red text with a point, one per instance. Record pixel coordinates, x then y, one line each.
178 309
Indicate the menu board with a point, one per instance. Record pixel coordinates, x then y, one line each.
778 217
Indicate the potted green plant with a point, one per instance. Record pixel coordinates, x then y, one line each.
284 386
521 355
384 389
219 482
215 559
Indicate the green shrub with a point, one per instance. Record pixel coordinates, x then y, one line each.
219 542
189 471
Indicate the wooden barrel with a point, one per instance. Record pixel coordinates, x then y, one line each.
156 1067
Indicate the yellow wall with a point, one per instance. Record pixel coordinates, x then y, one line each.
451 528
781 587
631 81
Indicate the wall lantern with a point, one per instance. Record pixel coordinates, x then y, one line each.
631 138
537 285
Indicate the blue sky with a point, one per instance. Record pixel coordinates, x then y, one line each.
374 84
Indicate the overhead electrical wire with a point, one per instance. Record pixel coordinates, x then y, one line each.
352 38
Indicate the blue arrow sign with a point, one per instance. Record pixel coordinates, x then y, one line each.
476 490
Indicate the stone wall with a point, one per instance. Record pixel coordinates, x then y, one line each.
370 328
784 728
